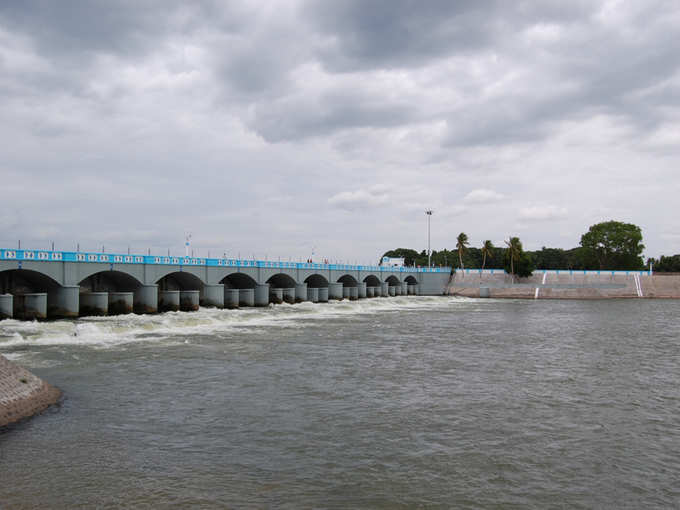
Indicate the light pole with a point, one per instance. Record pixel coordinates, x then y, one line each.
429 253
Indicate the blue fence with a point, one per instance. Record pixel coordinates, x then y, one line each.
111 258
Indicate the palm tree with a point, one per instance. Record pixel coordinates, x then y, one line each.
461 244
514 251
487 251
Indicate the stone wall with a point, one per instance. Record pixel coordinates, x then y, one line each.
502 286
22 394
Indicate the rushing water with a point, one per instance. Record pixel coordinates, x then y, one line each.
384 403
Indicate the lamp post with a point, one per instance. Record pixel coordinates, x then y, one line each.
429 253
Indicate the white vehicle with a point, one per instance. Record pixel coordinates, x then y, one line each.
392 261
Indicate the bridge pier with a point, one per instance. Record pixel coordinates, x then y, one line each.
63 302
313 294
323 294
346 292
362 290
94 303
300 292
276 296
335 291
412 289
392 290
262 294
168 300
120 303
189 300
6 306
370 292
404 289
384 289
246 297
146 299
213 295
353 293
231 298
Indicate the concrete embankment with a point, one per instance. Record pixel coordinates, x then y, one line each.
566 286
22 394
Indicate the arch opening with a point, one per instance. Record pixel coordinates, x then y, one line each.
393 281
316 281
109 281
25 281
348 280
372 281
180 281
238 281
281 281
411 280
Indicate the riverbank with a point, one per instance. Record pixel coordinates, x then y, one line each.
566 286
22 394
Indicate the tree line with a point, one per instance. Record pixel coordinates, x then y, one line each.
610 245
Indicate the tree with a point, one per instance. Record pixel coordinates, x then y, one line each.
518 261
461 245
613 245
513 251
487 251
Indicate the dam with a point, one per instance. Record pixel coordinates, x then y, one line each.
38 284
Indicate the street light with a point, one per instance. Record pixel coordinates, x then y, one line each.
429 253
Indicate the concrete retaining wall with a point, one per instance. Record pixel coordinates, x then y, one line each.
22 394
584 286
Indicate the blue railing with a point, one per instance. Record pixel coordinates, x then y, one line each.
112 258
560 271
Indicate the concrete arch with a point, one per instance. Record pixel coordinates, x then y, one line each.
180 280
372 281
411 280
393 281
238 281
281 281
24 281
348 280
316 281
107 281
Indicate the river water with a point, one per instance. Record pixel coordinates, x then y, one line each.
408 402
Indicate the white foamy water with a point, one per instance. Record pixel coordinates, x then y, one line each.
106 332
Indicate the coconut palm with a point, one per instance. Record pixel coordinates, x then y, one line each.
514 252
487 251
461 244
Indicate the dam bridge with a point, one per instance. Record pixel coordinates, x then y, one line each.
40 284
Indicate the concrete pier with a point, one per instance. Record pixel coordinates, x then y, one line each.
362 290
213 296
411 289
30 306
346 293
276 296
289 295
146 299
300 292
246 297
384 289
63 302
168 300
392 291
189 300
231 298
6 306
323 294
404 289
313 294
94 303
353 293
121 303
335 291
397 290
262 294
370 292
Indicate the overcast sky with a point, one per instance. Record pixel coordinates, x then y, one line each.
278 128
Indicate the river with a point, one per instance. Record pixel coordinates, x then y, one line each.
407 402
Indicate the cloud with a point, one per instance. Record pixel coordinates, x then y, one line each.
482 196
358 199
542 213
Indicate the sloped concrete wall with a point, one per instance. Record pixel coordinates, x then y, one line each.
22 394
